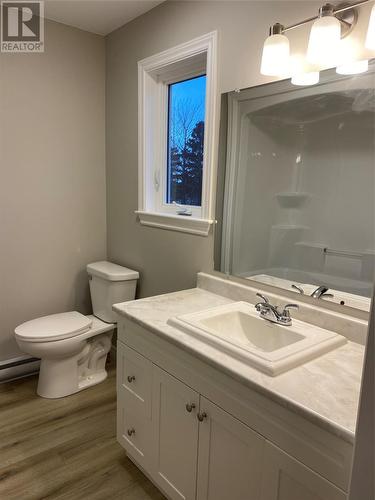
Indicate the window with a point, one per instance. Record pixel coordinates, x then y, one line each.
186 112
177 104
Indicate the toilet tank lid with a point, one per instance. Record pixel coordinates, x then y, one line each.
111 272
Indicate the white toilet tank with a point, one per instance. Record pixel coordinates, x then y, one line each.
110 284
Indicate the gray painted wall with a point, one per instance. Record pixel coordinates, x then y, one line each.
52 188
169 260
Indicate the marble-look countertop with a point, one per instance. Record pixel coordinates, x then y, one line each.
325 390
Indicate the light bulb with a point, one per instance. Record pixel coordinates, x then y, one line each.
275 57
353 67
325 35
308 78
370 37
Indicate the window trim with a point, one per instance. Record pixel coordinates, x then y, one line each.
192 58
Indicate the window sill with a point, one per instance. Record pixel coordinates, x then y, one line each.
182 223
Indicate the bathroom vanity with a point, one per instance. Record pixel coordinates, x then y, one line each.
202 423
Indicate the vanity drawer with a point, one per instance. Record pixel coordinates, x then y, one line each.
134 431
134 380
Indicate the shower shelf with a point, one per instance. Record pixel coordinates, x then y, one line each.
289 227
342 253
292 199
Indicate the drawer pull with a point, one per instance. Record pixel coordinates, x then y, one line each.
190 407
130 432
201 416
131 379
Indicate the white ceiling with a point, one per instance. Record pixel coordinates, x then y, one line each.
97 16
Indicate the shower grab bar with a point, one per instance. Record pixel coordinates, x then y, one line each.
342 253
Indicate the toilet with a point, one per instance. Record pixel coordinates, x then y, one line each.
72 347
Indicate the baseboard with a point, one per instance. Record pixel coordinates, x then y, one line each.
18 367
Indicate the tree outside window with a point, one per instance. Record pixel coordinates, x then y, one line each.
185 141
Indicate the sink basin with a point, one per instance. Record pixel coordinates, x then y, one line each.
237 330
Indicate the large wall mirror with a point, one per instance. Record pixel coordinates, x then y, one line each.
296 190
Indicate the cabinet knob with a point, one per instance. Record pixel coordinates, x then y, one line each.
131 378
130 432
190 407
201 416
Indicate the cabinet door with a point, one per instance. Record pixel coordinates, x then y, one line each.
230 457
175 431
284 478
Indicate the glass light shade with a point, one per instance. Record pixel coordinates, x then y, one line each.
275 57
353 68
309 78
325 35
370 38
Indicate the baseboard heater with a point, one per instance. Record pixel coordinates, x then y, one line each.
17 368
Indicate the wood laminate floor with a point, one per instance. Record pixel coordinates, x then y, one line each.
65 448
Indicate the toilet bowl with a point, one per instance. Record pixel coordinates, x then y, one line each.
72 347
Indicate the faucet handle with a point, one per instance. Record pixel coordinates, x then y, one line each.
320 291
291 306
263 297
299 289
286 312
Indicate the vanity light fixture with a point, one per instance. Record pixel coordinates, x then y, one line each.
301 74
275 57
353 67
308 78
331 25
325 36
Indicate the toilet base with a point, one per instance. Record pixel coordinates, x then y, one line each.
94 379
61 377
53 389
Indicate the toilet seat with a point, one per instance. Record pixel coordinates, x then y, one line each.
54 327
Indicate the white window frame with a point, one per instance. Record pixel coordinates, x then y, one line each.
155 74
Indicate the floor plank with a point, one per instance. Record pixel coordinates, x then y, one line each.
65 449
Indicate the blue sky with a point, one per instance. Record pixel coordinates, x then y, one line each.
194 90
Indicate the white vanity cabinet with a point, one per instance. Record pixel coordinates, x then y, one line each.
196 442
191 447
284 478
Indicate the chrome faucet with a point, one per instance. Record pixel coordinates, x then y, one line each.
319 293
272 313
